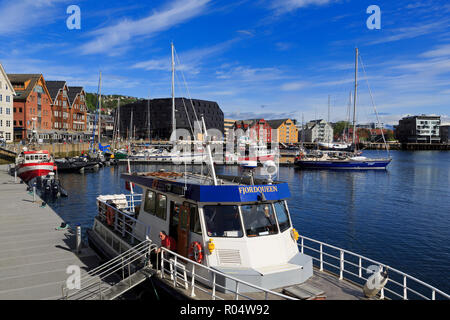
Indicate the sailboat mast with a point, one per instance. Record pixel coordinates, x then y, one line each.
99 110
354 99
148 119
173 91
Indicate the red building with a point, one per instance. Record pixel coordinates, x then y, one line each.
78 109
68 109
32 106
60 105
257 129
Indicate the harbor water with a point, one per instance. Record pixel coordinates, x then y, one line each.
400 217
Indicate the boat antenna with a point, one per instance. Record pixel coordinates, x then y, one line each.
208 150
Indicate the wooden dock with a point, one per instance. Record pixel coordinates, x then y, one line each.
34 256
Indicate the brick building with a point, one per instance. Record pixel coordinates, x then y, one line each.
257 130
32 106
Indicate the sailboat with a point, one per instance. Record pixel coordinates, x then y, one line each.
325 160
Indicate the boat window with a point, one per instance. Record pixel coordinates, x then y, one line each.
223 221
195 220
161 206
259 220
282 216
27 157
150 202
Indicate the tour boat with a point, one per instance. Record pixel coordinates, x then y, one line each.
32 164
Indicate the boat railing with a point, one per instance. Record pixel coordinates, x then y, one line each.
122 221
356 268
190 275
96 283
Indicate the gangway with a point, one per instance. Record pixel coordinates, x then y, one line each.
115 277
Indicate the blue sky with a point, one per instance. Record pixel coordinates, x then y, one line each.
259 58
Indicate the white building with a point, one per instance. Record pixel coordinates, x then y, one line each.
6 107
318 131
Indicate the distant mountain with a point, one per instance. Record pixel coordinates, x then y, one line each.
108 101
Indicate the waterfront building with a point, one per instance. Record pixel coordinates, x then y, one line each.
444 131
285 130
78 109
419 129
6 107
158 123
318 131
60 105
33 106
257 130
106 123
228 124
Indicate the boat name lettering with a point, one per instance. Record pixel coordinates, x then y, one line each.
261 189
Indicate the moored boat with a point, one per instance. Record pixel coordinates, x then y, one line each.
32 164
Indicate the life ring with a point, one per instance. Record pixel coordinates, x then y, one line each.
196 252
110 216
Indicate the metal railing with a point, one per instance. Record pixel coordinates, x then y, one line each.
95 283
191 280
124 222
350 266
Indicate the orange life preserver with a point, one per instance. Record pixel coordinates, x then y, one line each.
110 216
196 252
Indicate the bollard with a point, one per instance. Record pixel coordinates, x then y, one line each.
34 193
15 175
78 239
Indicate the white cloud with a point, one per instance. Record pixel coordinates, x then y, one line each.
110 38
293 86
284 6
17 16
443 50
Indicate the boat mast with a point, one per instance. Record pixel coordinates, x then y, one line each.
329 115
148 119
354 100
99 109
118 119
173 93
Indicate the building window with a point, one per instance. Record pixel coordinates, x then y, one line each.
7 98
8 123
8 110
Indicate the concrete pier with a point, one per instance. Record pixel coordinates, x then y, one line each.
34 256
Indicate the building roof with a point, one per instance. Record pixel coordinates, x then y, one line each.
3 72
53 88
22 78
73 91
276 123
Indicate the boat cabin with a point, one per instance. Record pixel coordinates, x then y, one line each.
239 228
34 156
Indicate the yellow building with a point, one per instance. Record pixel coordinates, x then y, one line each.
284 130
227 124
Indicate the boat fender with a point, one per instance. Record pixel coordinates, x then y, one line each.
110 216
196 252
294 235
376 281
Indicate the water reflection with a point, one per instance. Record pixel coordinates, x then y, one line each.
399 216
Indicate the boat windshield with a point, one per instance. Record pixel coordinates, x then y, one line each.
282 215
259 220
223 221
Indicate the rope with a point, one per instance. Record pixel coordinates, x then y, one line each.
373 104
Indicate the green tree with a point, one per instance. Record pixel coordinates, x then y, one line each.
339 128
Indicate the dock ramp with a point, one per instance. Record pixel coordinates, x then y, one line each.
115 277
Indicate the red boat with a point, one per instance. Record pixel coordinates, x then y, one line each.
32 164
